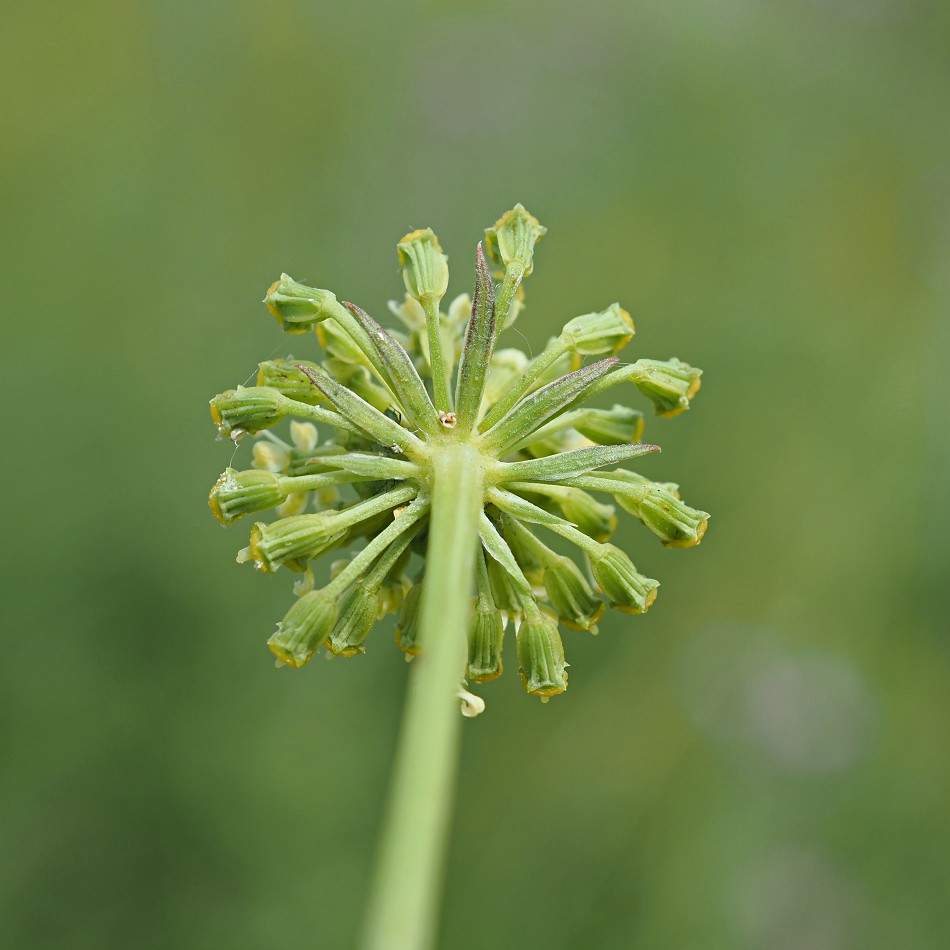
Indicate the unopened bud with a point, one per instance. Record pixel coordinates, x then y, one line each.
513 238
339 344
674 522
600 333
618 425
304 628
247 409
541 657
292 541
621 583
668 384
299 308
503 591
485 635
407 628
289 380
236 494
425 269
357 617
571 596
595 519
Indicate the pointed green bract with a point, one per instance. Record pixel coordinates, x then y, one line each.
532 411
568 464
382 428
402 375
477 349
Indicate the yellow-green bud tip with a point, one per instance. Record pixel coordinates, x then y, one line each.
513 238
425 269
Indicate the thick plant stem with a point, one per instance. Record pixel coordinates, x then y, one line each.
407 886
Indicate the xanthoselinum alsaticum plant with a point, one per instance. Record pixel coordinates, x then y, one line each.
437 469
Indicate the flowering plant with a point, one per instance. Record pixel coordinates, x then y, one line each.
431 463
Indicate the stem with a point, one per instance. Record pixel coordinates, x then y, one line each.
407 885
440 387
514 273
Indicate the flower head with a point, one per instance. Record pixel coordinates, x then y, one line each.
372 414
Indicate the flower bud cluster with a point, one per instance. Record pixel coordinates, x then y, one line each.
368 417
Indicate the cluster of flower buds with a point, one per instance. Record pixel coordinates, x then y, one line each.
353 477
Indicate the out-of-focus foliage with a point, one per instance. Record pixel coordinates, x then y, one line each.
761 762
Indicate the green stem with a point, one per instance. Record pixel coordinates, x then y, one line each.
440 386
404 901
514 273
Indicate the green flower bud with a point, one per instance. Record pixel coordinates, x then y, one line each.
541 657
298 308
303 629
247 409
503 591
425 269
571 596
407 628
595 519
357 617
292 541
486 633
339 344
619 425
236 494
674 522
621 583
289 381
526 556
601 333
513 238
669 384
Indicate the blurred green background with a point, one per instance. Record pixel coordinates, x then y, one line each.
759 763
